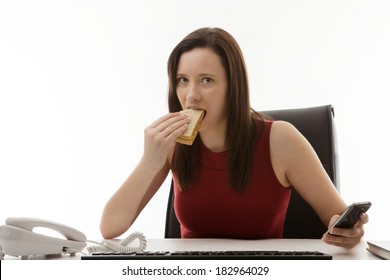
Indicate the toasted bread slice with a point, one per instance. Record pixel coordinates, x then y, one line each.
189 135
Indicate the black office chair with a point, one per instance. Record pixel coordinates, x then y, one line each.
317 125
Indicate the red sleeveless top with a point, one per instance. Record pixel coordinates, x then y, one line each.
210 209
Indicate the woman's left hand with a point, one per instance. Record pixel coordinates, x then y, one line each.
346 237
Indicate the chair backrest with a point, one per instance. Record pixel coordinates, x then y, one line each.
317 125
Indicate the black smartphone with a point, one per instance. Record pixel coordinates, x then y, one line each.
351 215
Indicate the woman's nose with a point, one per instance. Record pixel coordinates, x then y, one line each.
192 93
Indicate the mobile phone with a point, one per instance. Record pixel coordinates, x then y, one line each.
351 215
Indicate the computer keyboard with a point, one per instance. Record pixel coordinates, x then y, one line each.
210 255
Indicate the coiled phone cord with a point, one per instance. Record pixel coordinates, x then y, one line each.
120 246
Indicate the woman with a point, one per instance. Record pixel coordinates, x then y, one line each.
235 180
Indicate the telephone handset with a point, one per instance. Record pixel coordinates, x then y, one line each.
18 239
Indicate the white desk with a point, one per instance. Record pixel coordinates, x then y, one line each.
358 264
359 252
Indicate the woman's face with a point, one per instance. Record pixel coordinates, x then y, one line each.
202 84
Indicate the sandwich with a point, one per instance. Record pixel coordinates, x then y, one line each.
196 116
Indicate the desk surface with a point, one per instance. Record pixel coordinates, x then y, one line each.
359 252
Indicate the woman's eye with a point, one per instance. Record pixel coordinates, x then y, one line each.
206 80
182 80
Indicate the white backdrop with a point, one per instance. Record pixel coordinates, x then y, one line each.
80 80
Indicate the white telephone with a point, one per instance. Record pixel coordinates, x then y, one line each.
18 239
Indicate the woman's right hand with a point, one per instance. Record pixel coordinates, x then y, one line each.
160 136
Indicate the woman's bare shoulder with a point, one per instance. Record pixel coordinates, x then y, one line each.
286 143
283 132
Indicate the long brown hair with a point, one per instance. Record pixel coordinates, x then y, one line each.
242 122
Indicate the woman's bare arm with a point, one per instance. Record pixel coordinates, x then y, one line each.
296 163
128 201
